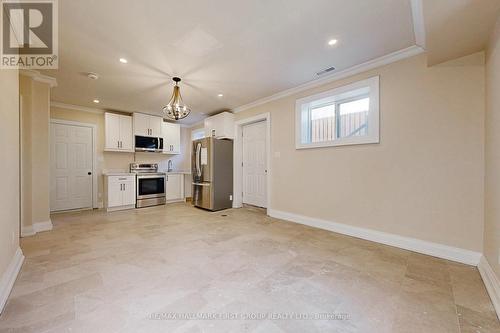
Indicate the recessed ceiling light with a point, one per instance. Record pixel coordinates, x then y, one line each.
123 60
220 95
332 42
96 101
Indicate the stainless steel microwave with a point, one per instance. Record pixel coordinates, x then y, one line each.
148 144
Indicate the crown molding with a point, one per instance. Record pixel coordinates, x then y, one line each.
75 107
39 77
363 67
417 12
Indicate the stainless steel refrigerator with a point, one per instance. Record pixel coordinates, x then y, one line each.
212 169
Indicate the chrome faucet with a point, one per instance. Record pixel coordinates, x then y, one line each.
169 168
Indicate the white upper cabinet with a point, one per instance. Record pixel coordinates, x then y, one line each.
220 126
147 125
118 132
155 125
126 133
171 134
141 124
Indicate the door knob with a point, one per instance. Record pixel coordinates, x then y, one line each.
89 173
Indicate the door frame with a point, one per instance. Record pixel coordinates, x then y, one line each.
238 158
93 127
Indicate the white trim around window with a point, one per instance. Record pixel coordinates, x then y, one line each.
335 98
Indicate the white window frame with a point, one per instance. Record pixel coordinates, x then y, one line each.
339 94
197 131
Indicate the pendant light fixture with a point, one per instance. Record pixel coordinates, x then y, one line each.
176 109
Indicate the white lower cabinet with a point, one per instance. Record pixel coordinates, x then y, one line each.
119 192
174 189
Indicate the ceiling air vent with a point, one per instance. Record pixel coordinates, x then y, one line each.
324 71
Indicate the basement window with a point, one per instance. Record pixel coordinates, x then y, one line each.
198 134
347 115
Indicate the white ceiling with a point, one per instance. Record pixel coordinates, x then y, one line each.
456 28
245 50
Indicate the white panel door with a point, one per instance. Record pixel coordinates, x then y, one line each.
71 167
255 164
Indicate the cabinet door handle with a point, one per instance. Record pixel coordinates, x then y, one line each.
124 187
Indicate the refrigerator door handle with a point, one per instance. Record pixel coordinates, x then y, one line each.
198 159
201 184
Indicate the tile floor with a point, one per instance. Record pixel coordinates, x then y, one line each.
134 271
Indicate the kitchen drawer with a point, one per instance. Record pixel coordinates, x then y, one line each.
121 178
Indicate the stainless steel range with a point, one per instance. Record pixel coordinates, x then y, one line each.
150 185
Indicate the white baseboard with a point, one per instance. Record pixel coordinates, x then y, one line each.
35 228
433 249
491 282
9 277
27 231
43 226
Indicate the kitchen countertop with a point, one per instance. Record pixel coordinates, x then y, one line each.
178 172
118 174
121 173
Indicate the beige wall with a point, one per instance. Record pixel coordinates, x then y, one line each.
113 161
9 168
35 151
492 152
425 178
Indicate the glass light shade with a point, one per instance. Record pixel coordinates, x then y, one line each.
176 109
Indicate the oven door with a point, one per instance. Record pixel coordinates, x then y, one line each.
150 186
